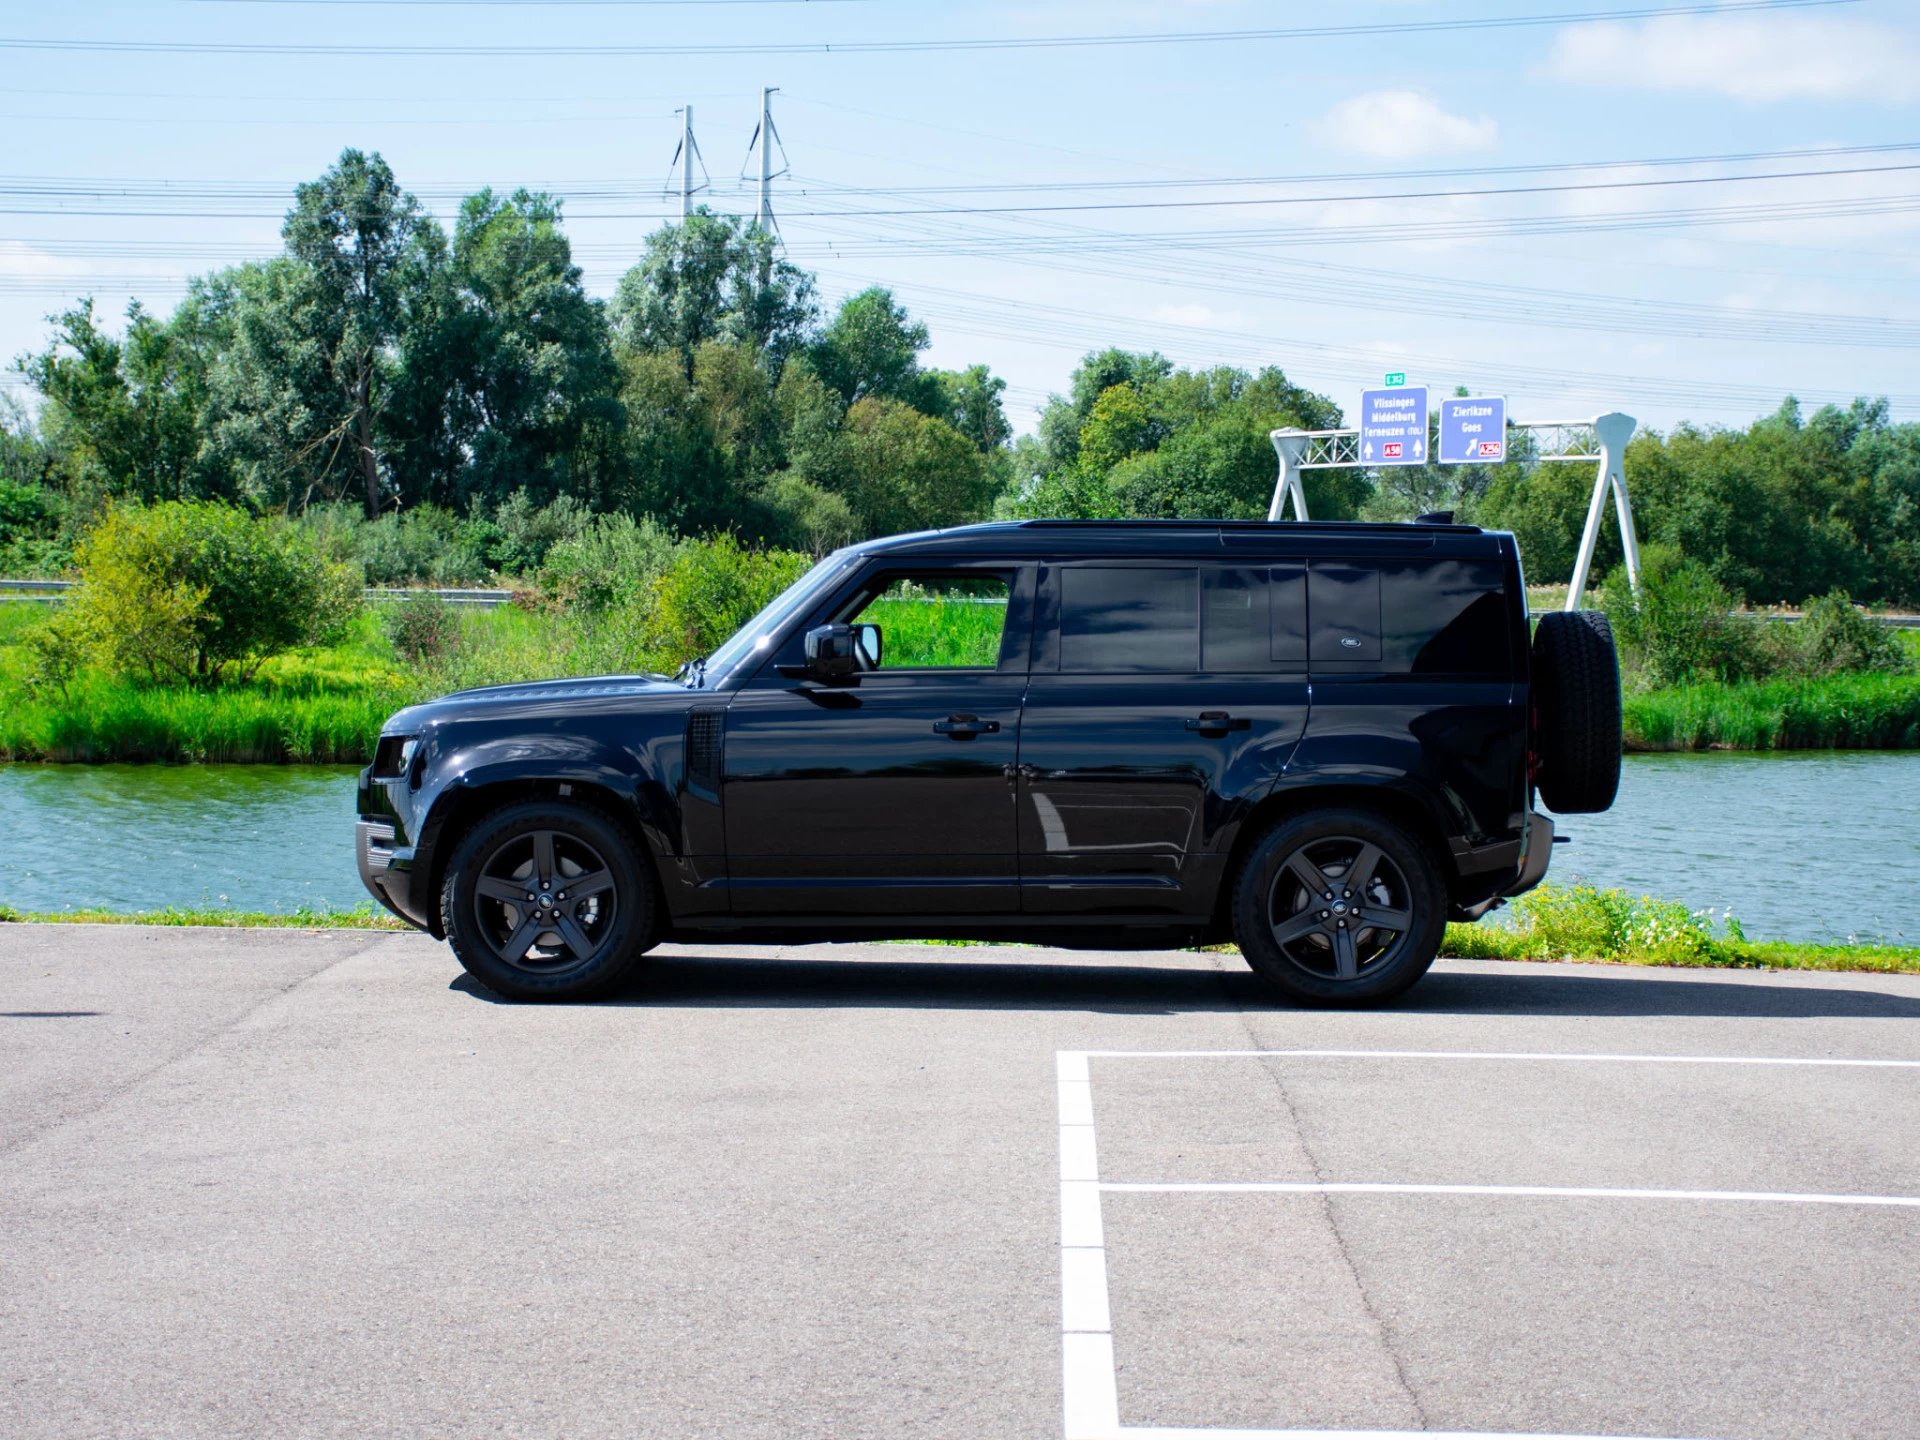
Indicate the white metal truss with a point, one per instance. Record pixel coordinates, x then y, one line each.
1602 439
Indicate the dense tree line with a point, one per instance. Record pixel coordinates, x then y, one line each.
465 394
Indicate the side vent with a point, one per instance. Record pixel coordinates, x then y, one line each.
705 732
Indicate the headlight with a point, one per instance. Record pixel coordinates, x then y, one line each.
393 755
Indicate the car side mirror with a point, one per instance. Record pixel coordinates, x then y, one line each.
836 652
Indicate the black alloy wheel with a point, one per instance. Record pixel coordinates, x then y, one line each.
548 901
1340 907
545 898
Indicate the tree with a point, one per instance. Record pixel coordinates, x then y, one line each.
712 277
871 350
969 400
1178 444
529 352
364 252
908 471
1098 372
130 410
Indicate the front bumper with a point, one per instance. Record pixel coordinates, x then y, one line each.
387 870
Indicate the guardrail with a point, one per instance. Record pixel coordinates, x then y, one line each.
47 592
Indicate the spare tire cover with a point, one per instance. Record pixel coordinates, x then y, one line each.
1576 695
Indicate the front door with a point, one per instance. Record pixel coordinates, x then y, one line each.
891 794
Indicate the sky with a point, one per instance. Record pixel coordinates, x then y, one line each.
1685 212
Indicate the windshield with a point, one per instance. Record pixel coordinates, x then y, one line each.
749 642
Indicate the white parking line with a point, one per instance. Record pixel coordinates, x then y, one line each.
1089 1378
1345 1187
1575 1055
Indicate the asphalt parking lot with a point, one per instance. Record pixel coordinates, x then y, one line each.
264 1183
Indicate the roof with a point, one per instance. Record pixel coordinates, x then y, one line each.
1081 537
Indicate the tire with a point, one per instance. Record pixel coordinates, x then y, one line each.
1296 923
564 943
1576 689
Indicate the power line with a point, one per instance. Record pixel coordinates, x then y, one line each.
27 188
887 47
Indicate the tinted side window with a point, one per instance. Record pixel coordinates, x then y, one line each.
1128 620
1445 617
1254 619
1343 604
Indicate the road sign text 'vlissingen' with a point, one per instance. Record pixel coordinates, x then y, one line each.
1473 430
1393 426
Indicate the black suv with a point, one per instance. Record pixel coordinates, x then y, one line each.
1318 740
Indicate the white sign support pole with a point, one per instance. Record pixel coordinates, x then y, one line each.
1612 430
1291 447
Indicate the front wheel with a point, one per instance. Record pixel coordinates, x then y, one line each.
546 900
1341 907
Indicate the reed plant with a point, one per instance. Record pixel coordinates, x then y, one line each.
1864 710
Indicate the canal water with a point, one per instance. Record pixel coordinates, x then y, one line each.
1816 846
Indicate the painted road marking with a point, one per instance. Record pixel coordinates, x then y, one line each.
1290 1187
1089 1379
1084 1055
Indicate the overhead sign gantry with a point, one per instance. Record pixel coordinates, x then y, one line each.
1473 430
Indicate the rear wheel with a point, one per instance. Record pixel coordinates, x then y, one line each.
547 900
1339 907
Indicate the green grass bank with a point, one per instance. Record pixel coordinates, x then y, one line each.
1554 923
1833 712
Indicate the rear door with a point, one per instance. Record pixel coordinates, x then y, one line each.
1165 694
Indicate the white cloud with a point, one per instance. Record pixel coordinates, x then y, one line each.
1402 125
1744 57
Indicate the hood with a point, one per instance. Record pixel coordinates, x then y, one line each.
536 695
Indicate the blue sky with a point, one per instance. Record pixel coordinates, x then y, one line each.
1661 300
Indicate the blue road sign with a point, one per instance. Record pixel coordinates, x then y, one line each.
1393 426
1473 431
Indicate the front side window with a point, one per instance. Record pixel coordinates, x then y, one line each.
1129 619
939 621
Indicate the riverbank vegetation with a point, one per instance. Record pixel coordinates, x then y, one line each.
1579 922
1700 673
1555 922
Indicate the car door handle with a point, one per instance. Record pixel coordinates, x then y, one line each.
1218 721
965 727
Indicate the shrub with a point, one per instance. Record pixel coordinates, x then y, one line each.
421 627
711 589
189 589
609 563
1682 625
428 544
1834 636
523 534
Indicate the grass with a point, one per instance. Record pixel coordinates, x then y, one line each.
1835 712
939 630
364 917
1558 923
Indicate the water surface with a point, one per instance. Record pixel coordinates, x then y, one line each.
1813 846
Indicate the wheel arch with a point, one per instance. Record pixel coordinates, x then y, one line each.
1284 802
476 794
